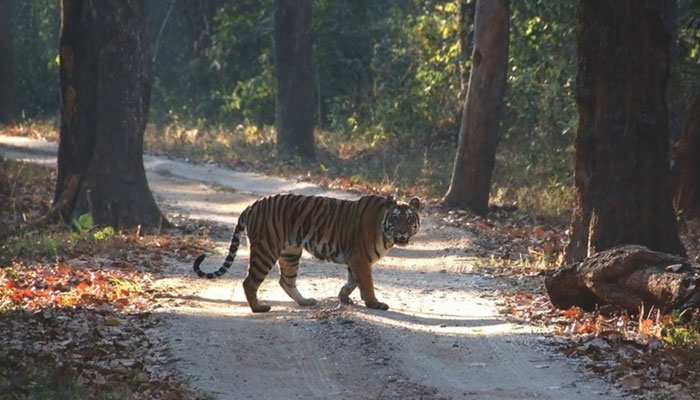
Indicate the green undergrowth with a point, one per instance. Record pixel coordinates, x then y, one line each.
67 288
537 183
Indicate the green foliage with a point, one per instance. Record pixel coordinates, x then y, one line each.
85 226
541 117
388 73
35 32
51 244
679 336
83 223
213 62
36 245
418 80
103 233
684 85
679 332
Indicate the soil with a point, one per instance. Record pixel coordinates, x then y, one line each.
442 338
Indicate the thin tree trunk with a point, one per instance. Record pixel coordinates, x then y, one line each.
621 176
465 36
687 189
105 93
6 73
362 52
296 89
478 136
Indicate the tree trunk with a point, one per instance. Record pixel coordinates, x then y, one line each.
687 189
630 277
6 79
296 88
361 53
106 79
465 35
478 136
621 175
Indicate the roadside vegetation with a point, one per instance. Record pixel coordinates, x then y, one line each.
76 302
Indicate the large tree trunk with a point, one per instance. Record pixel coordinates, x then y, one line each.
105 92
687 189
478 136
296 88
622 179
6 79
630 277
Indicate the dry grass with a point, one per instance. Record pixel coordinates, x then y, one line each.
347 162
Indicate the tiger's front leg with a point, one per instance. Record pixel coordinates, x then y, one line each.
348 288
362 272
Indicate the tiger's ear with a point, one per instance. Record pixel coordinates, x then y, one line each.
414 203
390 201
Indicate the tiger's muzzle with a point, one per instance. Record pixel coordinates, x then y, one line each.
401 240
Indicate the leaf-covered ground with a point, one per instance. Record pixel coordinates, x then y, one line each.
76 306
650 355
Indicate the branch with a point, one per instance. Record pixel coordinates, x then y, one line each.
160 32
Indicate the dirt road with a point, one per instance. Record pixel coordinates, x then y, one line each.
441 339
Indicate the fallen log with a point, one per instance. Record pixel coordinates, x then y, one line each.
628 276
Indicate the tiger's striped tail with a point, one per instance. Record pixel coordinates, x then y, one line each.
235 241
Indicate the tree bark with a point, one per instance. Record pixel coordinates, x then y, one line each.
465 35
478 136
361 53
296 86
106 76
621 173
6 68
630 277
687 188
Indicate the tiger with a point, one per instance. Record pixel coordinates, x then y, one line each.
353 232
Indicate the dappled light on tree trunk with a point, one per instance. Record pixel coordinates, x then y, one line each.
473 166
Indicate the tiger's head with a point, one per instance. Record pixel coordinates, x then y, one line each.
401 220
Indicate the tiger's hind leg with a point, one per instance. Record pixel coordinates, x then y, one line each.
289 268
260 264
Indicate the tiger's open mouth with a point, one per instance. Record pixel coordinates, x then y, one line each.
401 241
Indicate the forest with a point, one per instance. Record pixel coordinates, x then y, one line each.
388 76
558 143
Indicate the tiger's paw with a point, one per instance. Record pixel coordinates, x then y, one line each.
260 308
345 299
377 305
307 302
